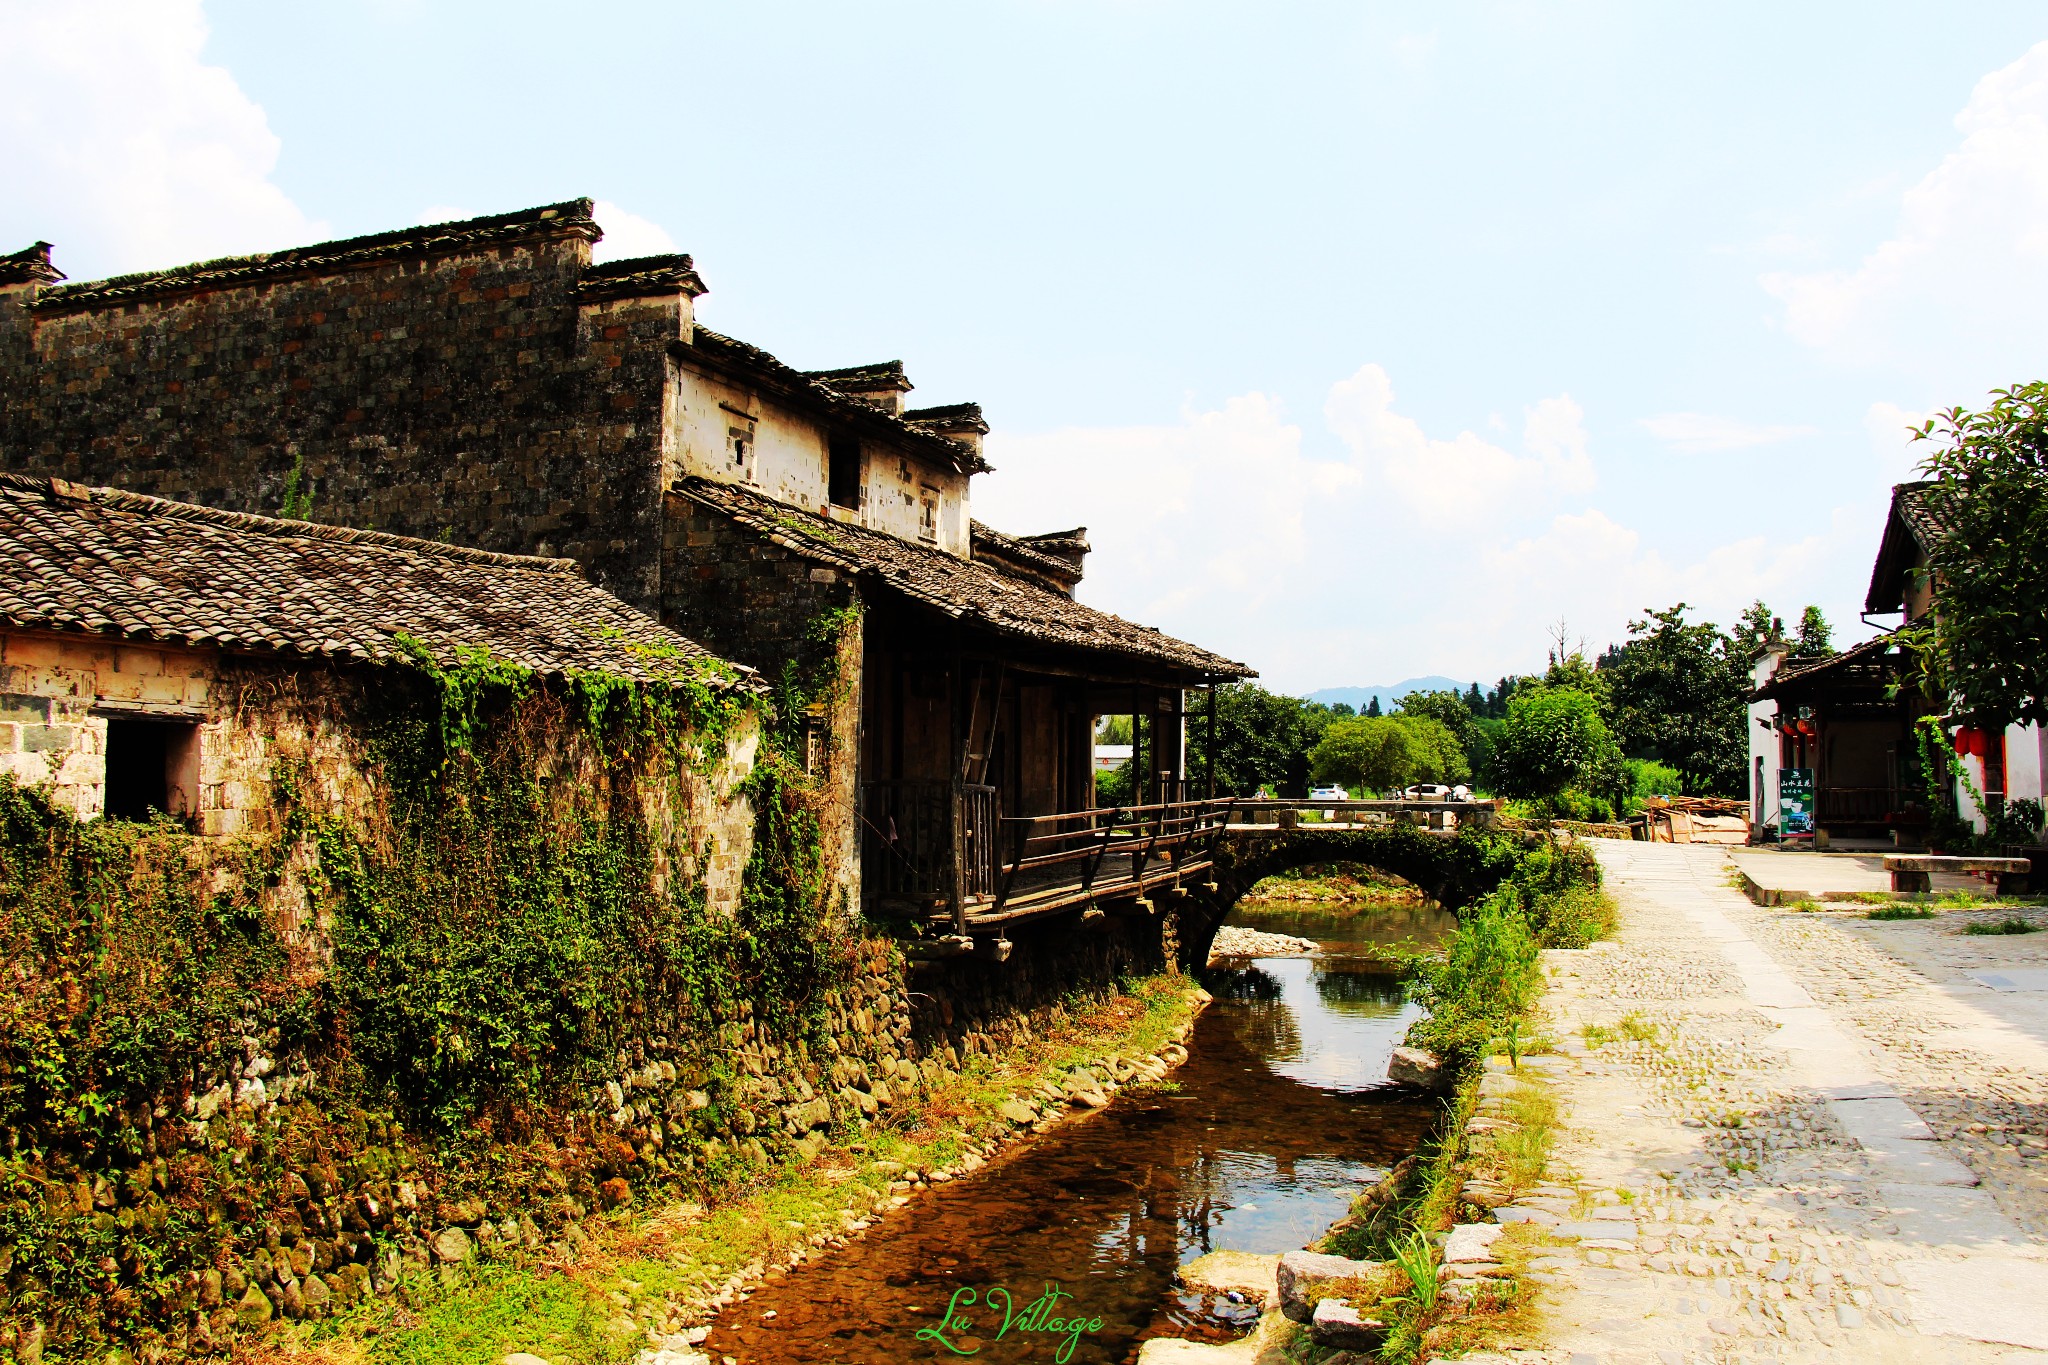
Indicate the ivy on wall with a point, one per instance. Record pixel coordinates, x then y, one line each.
518 907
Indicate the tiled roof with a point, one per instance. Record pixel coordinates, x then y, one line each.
1926 508
1919 520
640 277
29 265
140 568
883 374
977 592
1866 664
759 367
552 220
950 418
1024 556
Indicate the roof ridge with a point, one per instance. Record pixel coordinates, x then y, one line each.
572 217
123 499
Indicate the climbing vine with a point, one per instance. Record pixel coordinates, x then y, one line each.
456 943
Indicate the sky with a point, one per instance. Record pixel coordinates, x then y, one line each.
1367 340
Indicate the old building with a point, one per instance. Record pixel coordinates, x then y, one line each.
483 382
1850 719
159 657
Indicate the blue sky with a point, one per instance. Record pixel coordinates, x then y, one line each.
1367 340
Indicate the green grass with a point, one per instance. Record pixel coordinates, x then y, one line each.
501 1309
2012 925
1903 912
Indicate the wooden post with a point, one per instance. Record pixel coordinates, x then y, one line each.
1211 742
958 767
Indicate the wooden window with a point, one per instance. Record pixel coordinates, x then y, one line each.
842 473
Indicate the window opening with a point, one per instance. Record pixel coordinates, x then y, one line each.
151 766
740 441
843 472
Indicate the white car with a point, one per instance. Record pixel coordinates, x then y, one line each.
1328 794
1427 791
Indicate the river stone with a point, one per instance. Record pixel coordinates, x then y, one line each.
1471 1242
1524 1213
1606 1229
1240 1272
316 1299
1336 1323
1306 1276
523 1358
1017 1112
1413 1066
452 1245
254 1310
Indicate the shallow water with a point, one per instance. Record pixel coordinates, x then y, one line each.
1281 1116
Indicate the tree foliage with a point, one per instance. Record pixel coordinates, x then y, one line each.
1986 646
1554 738
1262 740
1678 691
1383 753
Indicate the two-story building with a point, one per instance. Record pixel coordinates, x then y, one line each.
1851 719
485 383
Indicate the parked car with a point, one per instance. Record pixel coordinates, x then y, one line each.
1328 794
1427 791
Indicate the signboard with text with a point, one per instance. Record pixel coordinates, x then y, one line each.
1795 803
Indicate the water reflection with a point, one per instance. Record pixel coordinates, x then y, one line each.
1279 1118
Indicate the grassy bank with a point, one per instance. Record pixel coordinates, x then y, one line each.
1479 994
667 1269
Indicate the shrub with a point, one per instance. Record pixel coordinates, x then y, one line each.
1486 976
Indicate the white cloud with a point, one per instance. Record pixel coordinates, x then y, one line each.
126 149
627 235
1694 432
1891 429
1958 289
1224 528
1466 478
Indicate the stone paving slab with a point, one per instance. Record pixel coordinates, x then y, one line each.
1779 878
1814 1140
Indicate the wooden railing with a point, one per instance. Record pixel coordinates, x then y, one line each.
908 829
1861 806
1023 866
1054 861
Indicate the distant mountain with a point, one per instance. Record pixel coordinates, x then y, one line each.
1358 697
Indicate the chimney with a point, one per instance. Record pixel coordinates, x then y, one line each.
961 422
882 384
23 276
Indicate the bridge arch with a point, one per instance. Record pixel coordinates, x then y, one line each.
1452 871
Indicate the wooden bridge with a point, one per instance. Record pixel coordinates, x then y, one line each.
1020 868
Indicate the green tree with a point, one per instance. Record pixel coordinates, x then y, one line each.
1554 738
1369 752
1816 638
1437 753
1262 740
1756 628
1372 706
1678 693
1985 647
1451 711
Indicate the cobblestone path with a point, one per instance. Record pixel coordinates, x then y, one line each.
1791 1136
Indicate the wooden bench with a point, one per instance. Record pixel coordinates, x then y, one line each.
1913 871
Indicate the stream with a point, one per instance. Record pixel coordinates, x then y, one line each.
1281 1116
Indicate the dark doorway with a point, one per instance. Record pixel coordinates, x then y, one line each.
145 763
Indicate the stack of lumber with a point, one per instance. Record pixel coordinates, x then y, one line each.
1695 820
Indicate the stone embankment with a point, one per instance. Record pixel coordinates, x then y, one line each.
1234 940
674 1329
1786 1136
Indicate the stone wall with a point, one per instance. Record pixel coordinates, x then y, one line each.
272 1173
467 394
